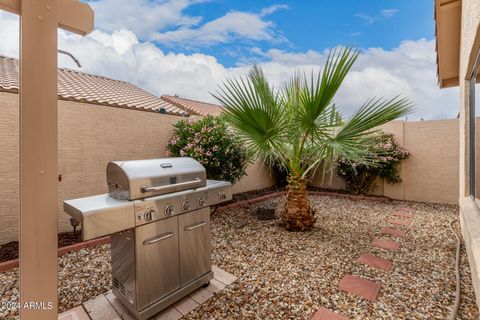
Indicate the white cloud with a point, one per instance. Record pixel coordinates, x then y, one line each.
144 17
235 25
382 15
269 10
388 13
165 21
409 70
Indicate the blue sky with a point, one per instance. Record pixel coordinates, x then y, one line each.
317 25
189 47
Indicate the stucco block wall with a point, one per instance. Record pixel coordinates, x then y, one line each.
258 176
431 174
9 167
89 137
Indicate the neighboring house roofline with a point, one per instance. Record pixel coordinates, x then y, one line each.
194 107
88 88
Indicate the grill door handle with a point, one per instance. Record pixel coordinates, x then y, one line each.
158 238
191 183
195 226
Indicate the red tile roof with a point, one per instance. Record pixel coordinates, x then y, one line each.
83 87
194 107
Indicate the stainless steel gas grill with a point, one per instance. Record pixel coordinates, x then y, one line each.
158 214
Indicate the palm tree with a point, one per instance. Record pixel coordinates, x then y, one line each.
299 127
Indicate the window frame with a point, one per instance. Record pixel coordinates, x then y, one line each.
472 141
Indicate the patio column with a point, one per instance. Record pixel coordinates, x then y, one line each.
38 159
39 20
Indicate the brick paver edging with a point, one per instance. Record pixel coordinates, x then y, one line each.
250 201
317 193
349 196
10 264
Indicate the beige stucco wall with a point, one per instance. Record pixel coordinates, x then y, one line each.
258 176
431 174
89 137
469 213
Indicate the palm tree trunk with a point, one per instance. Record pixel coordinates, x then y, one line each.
297 214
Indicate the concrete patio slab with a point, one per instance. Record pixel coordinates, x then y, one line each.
185 305
99 309
201 295
107 307
77 313
223 276
361 287
393 232
386 244
169 314
118 306
216 286
325 314
400 222
375 262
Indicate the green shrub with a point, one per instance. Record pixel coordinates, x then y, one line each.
387 155
209 141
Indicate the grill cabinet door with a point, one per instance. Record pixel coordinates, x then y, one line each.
157 260
195 247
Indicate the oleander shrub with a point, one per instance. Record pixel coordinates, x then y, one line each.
210 142
387 155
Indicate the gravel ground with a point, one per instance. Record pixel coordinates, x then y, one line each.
288 275
285 275
82 275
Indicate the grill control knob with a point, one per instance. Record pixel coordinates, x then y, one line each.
150 215
201 202
222 196
169 209
186 205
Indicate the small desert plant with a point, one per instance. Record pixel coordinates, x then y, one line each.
387 154
209 141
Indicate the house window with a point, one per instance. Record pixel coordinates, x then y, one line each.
475 132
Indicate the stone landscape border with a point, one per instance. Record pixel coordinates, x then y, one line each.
10 264
243 203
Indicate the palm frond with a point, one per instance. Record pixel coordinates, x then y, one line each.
252 107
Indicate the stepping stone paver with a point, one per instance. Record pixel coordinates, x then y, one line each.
386 244
400 222
361 287
407 209
393 232
375 262
403 214
325 314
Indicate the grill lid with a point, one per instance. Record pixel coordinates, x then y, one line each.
138 179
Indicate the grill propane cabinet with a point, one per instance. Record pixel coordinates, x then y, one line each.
157 213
